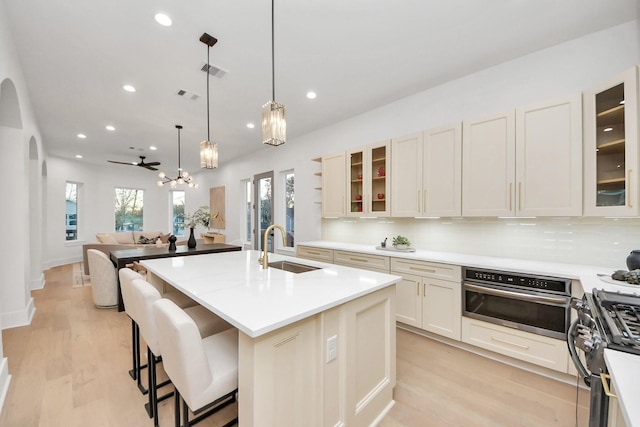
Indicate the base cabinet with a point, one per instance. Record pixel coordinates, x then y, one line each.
543 351
425 299
315 254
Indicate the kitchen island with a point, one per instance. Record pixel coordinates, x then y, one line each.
315 348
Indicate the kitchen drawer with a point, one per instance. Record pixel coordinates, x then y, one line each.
317 254
427 269
532 348
366 261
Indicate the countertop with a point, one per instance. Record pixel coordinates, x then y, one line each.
590 277
234 286
624 369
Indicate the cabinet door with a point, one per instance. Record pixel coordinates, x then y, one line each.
356 182
549 158
441 307
488 166
406 175
441 171
377 196
409 300
333 185
611 147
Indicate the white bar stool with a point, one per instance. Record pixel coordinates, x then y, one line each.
204 371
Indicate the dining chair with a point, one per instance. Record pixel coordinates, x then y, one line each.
104 283
204 371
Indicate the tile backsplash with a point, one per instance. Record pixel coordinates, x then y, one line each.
574 240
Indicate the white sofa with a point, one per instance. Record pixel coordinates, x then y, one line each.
107 242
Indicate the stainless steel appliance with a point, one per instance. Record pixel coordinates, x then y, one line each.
528 302
605 320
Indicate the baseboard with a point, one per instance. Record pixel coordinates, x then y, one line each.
19 318
5 379
37 283
62 261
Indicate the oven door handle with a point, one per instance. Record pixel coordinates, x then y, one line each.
571 344
518 295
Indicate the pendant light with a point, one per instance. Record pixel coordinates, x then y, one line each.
183 176
208 149
274 125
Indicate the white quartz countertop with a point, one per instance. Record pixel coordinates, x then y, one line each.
590 277
624 369
234 286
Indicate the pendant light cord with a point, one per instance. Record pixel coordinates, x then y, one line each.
179 168
208 132
273 61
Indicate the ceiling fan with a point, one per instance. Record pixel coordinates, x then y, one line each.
141 163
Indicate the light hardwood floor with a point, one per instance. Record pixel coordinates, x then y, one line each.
69 368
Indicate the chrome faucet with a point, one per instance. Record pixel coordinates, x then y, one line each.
264 260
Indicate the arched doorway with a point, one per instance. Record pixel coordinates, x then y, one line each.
35 223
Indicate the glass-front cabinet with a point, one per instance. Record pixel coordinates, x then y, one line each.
367 182
611 147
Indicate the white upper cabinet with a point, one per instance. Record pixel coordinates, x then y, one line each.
406 177
524 163
549 158
442 171
488 165
426 179
333 185
368 184
611 147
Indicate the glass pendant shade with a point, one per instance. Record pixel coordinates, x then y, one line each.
274 124
208 155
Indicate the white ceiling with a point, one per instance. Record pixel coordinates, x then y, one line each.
357 55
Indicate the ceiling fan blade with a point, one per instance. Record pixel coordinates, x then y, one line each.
153 164
147 166
122 163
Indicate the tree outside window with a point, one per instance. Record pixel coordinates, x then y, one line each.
177 212
71 217
289 208
129 209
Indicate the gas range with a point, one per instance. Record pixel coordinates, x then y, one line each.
605 320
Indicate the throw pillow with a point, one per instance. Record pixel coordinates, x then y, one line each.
147 240
106 238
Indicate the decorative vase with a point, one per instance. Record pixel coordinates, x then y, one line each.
401 247
633 260
191 243
172 243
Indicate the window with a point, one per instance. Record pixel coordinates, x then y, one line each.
177 213
246 233
289 180
71 217
129 209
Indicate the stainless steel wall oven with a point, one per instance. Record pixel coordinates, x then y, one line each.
531 303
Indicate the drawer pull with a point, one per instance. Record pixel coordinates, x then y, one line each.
606 378
426 270
418 288
358 259
313 253
524 347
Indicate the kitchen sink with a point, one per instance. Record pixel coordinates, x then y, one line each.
292 267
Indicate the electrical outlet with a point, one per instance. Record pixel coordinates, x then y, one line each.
332 348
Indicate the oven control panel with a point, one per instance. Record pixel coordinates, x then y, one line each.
552 284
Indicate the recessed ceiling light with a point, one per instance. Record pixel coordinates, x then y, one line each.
311 95
163 19
129 88
110 128
153 148
78 156
250 125
82 136
607 129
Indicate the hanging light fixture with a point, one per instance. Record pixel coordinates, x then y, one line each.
208 149
183 176
274 125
